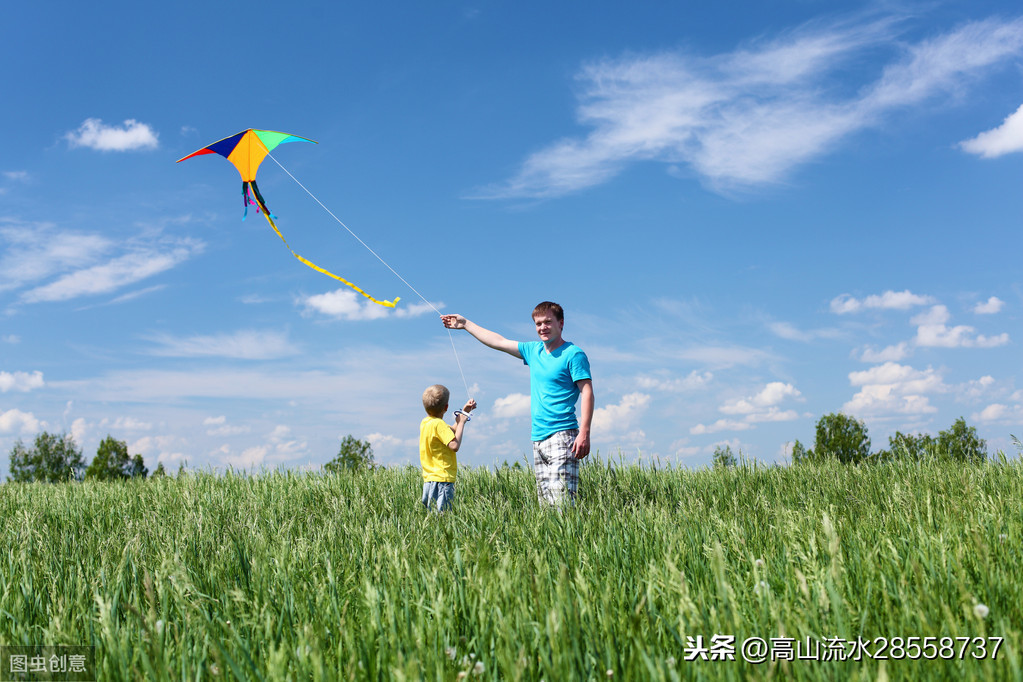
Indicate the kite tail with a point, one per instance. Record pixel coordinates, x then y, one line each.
249 191
270 219
259 199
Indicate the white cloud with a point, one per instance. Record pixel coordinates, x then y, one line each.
889 300
16 421
773 414
899 351
990 307
218 426
761 407
933 332
750 116
139 264
392 450
1004 139
960 336
693 381
514 405
892 388
381 440
721 425
132 135
35 251
162 446
80 429
991 413
879 399
285 447
20 381
248 460
274 381
975 389
279 448
126 424
789 331
246 344
1000 413
937 315
681 448
720 357
348 305
771 395
132 295
907 379
617 418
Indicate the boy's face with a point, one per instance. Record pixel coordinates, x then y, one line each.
548 328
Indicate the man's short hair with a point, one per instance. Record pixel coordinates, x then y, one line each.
549 307
435 399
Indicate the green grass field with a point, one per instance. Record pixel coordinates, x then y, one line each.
305 576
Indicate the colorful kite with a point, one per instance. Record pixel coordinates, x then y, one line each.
246 151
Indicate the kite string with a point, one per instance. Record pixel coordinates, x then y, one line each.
341 223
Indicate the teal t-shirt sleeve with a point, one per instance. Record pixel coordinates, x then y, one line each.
579 366
524 351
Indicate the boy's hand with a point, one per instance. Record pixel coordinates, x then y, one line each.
469 406
453 321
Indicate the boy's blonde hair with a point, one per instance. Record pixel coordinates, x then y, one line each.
435 399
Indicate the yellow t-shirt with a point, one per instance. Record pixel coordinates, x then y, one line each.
436 458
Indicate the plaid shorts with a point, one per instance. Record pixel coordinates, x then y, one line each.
556 468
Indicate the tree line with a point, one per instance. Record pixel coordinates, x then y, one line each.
53 458
56 457
844 438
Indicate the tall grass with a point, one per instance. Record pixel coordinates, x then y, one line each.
305 576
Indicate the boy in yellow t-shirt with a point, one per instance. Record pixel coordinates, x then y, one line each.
438 444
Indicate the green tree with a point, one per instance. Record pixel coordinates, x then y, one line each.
723 457
800 454
112 462
53 458
842 437
904 446
353 455
961 443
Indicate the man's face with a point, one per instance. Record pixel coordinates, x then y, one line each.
548 327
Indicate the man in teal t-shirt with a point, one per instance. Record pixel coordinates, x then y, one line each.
559 375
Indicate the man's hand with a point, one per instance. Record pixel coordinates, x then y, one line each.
469 406
453 321
484 336
581 445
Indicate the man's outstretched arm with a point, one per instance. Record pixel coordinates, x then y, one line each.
484 336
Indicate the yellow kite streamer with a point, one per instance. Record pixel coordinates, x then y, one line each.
246 150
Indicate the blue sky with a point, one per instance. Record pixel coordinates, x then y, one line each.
753 213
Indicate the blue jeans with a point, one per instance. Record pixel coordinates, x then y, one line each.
441 491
